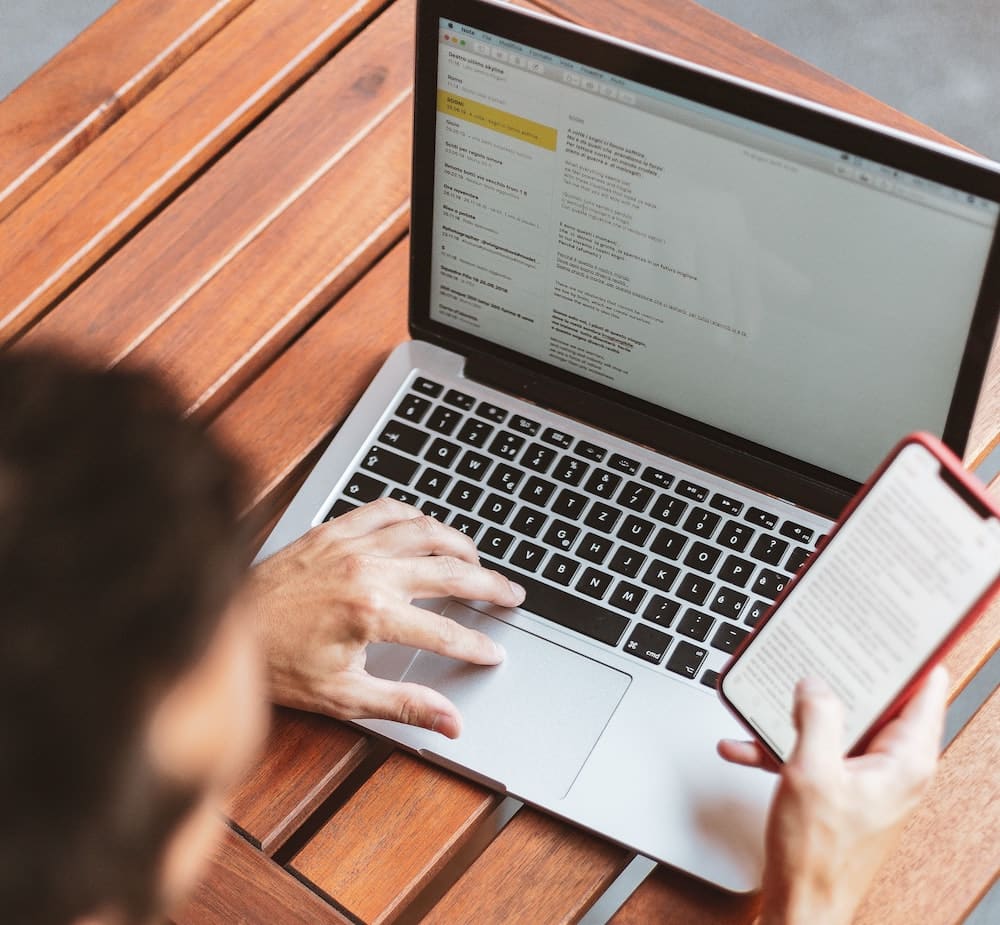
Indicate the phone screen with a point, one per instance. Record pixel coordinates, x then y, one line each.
901 572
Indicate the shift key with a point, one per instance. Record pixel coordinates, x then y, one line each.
390 465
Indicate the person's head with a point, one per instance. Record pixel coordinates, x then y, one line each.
130 690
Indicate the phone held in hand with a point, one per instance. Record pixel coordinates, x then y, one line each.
910 565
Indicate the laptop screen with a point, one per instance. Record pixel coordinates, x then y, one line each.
787 292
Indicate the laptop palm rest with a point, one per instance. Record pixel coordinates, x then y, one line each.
528 724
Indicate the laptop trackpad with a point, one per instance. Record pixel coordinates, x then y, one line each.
529 723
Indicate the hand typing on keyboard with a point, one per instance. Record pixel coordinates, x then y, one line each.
351 582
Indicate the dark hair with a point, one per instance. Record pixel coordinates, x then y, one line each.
120 547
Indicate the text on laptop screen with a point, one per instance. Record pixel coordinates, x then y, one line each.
781 290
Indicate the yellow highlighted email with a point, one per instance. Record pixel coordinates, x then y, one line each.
496 119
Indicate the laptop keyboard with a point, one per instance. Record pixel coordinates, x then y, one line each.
627 554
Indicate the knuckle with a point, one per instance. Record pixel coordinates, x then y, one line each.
408 710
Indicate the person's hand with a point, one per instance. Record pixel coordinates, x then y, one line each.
834 819
349 582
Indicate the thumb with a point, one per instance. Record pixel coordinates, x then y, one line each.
819 721
403 702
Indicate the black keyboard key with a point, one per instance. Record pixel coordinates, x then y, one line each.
467 525
363 488
442 453
627 596
602 517
623 464
648 644
602 483
728 602
764 519
590 451
736 571
570 470
506 445
496 508
627 561
475 432
561 534
557 438
594 548
635 530
495 543
340 506
686 659
569 503
567 610
528 556
435 510
728 637
538 458
524 425
594 583
432 482
702 557
696 624
769 584
407 497
560 569
691 490
694 588
412 408
735 535
701 523
657 477
505 478
389 465
726 504
401 436
797 559
668 543
796 532
473 465
635 497
465 495
491 412
537 490
661 575
528 521
756 612
426 387
669 509
660 610
710 679
444 420
459 399
769 549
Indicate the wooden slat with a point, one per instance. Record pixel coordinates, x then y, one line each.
392 836
668 897
305 760
123 176
243 886
537 869
71 100
685 29
238 200
949 854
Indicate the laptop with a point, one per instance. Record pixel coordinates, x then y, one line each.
664 323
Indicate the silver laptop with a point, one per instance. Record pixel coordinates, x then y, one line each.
664 323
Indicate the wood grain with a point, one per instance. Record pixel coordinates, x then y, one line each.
149 153
538 869
238 200
71 100
392 836
305 759
243 886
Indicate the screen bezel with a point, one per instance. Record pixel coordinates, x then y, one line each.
803 483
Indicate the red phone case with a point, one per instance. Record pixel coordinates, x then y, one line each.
954 466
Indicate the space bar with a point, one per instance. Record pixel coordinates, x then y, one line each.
566 609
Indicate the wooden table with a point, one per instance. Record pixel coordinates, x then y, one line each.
220 188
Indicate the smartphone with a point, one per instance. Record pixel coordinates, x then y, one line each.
910 565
